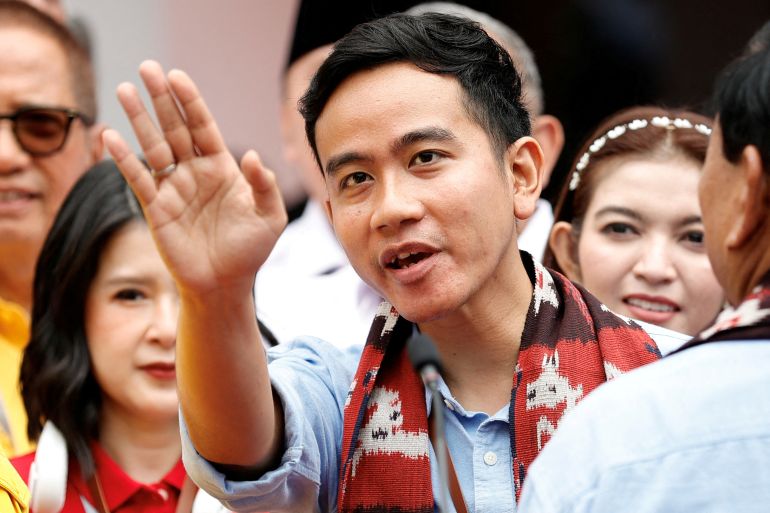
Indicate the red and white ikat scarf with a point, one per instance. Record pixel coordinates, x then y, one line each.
571 344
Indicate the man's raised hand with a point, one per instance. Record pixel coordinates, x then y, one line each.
214 223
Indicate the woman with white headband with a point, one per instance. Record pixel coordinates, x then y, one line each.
628 223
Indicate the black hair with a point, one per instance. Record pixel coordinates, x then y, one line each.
57 380
436 43
760 39
742 103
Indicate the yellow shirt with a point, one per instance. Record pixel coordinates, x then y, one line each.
14 495
14 335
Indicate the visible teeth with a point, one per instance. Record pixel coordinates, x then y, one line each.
402 260
649 305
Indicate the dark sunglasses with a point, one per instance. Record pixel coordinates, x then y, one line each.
41 131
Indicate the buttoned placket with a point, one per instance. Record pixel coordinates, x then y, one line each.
485 441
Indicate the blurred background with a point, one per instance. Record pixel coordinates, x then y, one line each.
595 56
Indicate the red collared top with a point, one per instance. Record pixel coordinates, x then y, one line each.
123 494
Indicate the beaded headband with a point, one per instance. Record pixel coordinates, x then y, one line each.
614 133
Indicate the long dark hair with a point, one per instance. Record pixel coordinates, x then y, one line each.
57 381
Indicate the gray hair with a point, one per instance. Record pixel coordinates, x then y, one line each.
520 53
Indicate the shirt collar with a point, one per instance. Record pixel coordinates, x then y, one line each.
119 487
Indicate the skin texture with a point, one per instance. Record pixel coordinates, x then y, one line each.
410 196
34 71
131 315
641 247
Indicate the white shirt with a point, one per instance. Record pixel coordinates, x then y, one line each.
534 238
308 287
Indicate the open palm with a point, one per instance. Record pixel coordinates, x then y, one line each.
214 223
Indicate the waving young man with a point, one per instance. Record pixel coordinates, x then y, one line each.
419 128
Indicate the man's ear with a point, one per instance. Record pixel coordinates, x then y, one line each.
549 132
96 144
524 159
563 243
753 205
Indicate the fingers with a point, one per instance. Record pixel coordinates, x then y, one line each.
203 129
186 126
156 150
169 117
130 166
263 184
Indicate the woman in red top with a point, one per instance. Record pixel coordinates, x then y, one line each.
100 362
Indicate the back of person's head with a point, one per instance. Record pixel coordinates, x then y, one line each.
521 54
56 376
436 43
742 101
15 14
760 40
647 133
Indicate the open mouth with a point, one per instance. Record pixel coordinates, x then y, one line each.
406 260
652 306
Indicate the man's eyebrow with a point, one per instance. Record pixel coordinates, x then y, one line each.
337 161
430 133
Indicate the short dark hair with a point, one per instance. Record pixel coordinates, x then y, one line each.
760 39
436 43
57 380
742 103
14 13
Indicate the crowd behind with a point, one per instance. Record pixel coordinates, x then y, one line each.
423 141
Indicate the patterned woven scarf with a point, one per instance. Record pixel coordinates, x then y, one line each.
571 343
748 321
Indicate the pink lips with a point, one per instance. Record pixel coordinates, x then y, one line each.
162 371
652 309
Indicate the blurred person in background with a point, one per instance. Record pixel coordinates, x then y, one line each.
100 364
628 224
48 138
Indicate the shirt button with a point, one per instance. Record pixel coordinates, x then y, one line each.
163 494
449 405
490 458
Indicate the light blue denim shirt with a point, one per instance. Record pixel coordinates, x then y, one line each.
690 433
312 379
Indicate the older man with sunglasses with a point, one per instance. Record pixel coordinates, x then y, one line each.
47 140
